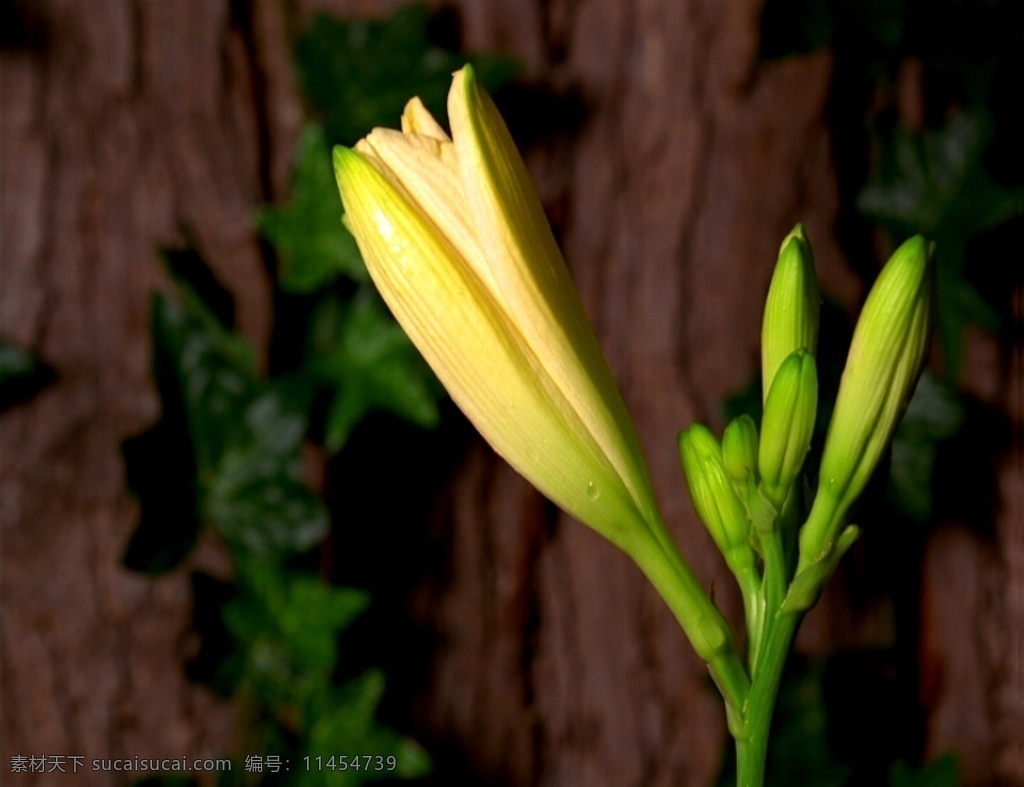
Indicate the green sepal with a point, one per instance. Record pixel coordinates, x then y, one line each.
807 585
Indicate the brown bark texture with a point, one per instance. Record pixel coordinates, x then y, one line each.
125 121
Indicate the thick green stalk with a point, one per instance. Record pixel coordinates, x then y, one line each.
752 743
702 622
768 660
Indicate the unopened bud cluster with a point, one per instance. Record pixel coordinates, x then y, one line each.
752 486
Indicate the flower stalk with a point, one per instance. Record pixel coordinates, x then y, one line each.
455 238
456 241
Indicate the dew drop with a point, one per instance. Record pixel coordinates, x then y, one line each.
592 491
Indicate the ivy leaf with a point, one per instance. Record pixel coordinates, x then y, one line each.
285 626
877 27
299 609
225 451
198 286
942 772
343 722
935 183
935 413
365 358
312 242
203 374
360 74
256 497
210 369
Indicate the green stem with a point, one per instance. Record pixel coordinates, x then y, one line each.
702 622
752 743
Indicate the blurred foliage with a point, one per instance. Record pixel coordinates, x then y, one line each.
22 374
942 772
956 175
361 354
840 722
935 183
926 135
231 453
314 247
359 74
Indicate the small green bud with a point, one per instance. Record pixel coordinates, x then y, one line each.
714 498
739 451
788 425
791 309
887 354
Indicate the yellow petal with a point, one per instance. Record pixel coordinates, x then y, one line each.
416 119
476 351
419 167
532 280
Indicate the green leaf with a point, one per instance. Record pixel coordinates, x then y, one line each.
313 245
298 609
226 448
359 73
935 183
256 497
285 625
359 352
197 284
800 751
343 722
205 366
875 29
202 374
935 413
942 772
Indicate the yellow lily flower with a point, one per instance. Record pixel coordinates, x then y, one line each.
455 238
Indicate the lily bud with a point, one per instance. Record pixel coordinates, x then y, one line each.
455 238
739 452
714 498
791 309
788 424
887 354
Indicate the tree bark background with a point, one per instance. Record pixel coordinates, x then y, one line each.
125 121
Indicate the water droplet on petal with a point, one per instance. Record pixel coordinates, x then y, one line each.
592 491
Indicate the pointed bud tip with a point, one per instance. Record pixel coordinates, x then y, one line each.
916 250
797 234
343 158
464 81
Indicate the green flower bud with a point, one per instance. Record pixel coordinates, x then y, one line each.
791 310
887 355
788 425
714 498
739 451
